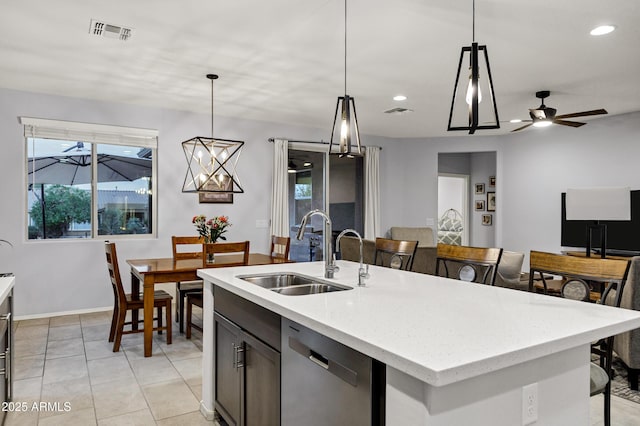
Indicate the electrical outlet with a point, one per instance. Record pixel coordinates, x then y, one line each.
530 404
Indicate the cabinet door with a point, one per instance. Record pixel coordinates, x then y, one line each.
261 383
228 373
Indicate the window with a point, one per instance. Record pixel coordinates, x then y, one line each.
89 181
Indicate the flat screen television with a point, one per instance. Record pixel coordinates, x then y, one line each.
623 237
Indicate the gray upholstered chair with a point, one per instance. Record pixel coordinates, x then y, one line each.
510 270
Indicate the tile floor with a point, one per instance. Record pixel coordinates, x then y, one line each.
68 359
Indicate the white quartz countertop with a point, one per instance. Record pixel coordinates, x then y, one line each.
6 284
438 330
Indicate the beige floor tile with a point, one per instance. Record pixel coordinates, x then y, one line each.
196 389
65 348
61 369
29 347
84 417
137 351
29 418
109 369
181 348
76 393
96 318
153 370
137 418
65 332
100 349
117 397
94 332
170 399
190 369
35 321
31 332
64 320
27 367
27 390
190 419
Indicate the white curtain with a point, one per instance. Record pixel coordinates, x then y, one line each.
371 192
280 189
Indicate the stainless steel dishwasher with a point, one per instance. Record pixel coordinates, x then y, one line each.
327 383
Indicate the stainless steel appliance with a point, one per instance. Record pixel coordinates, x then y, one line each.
327 383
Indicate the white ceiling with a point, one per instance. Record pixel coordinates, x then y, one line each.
282 60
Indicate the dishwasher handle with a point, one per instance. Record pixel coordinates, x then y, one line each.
344 373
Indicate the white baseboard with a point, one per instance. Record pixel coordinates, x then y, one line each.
59 314
210 415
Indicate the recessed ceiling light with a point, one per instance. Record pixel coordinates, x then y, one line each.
515 120
400 98
602 30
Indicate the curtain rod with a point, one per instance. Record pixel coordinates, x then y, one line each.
314 142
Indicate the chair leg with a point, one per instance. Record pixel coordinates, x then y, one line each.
169 325
159 314
181 313
189 309
114 323
607 404
122 313
633 378
177 297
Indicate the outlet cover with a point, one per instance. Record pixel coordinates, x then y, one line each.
530 404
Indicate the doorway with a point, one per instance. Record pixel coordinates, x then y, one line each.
453 206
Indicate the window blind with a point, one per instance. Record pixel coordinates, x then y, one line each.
87 132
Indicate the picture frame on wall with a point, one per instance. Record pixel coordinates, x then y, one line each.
487 219
492 181
218 197
479 205
479 188
491 201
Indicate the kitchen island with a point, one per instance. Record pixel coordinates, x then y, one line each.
455 352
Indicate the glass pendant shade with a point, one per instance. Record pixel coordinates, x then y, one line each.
212 161
347 121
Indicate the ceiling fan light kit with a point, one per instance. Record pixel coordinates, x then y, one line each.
544 116
346 110
467 108
212 161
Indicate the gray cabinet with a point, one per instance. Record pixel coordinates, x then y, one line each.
247 364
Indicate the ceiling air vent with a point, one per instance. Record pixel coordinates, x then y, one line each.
102 29
398 111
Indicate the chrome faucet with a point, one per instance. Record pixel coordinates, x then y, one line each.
329 265
363 273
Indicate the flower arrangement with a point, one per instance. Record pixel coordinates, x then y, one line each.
211 230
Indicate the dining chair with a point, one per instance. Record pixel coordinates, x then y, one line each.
465 263
215 248
189 247
280 247
124 302
396 254
586 279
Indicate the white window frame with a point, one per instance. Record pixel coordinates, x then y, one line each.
95 134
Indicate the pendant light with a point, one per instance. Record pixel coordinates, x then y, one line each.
467 107
346 105
212 161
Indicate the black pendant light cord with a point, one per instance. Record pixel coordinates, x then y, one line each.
211 108
345 47
473 25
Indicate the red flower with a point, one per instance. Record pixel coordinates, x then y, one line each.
223 219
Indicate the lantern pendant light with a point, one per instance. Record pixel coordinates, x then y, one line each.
467 112
346 111
212 161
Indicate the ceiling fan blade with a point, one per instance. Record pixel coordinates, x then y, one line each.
583 113
568 123
523 127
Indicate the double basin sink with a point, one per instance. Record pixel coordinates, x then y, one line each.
292 284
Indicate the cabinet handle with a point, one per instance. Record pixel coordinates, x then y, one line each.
6 355
238 356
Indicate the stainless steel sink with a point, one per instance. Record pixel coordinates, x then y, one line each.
290 284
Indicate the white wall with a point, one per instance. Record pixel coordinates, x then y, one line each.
61 276
483 165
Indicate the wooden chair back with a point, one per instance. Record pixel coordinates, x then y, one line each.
189 242
114 274
580 274
397 254
474 264
219 248
280 247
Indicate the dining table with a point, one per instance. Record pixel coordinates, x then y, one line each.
150 272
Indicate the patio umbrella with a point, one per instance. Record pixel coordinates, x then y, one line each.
76 169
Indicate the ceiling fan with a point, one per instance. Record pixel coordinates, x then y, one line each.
544 116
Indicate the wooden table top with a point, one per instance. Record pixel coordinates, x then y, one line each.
169 264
